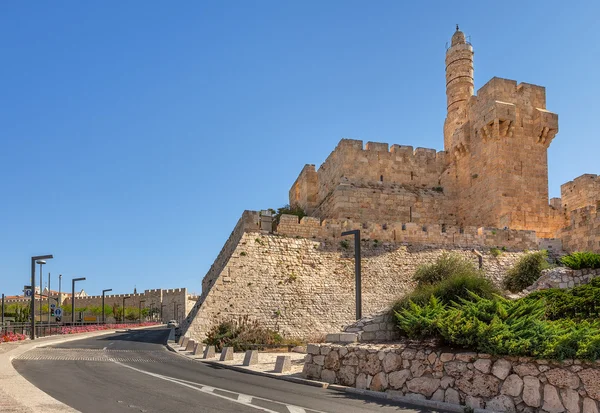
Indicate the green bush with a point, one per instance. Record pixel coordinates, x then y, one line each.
579 260
242 335
495 252
289 210
502 327
446 266
450 289
578 303
526 271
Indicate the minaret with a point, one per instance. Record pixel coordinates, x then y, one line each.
459 85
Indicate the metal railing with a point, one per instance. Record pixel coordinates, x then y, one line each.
41 330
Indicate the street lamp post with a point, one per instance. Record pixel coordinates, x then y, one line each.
179 317
73 298
123 315
358 287
2 310
33 260
103 293
140 309
48 298
175 311
162 320
41 262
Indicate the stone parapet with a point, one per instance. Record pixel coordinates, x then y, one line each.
499 384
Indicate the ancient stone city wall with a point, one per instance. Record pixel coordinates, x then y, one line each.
581 192
301 287
500 384
583 231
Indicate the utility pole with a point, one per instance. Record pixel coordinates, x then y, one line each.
33 260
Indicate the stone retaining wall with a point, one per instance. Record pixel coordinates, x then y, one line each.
380 326
501 384
562 277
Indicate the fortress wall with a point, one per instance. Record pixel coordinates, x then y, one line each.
387 202
424 234
583 231
376 162
303 287
580 192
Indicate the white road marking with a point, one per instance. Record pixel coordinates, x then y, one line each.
243 399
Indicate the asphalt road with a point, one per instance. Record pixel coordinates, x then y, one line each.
132 371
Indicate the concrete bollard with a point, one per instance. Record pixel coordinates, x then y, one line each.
171 335
198 349
185 342
190 345
283 364
180 340
226 354
209 352
251 358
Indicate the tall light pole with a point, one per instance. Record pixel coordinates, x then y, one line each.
73 298
59 286
33 260
48 298
123 315
41 262
162 320
140 310
358 287
179 317
103 293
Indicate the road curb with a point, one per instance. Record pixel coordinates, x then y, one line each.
19 395
336 387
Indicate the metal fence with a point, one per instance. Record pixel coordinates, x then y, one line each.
46 329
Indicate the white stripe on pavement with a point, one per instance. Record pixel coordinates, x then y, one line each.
296 409
245 398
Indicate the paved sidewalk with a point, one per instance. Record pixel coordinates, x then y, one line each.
17 395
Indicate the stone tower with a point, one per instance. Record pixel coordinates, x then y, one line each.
459 85
496 144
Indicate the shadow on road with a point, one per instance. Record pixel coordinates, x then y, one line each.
158 335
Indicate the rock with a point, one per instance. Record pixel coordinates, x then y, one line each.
446 357
409 354
418 368
379 382
397 379
432 358
455 368
501 369
319 360
311 371
391 362
438 396
483 365
347 375
325 350
474 402
313 349
423 385
552 403
452 397
350 360
446 382
415 396
512 386
527 369
474 383
332 360
371 365
570 399
467 357
328 376
562 378
532 395
502 403
363 381
590 406
343 351
591 382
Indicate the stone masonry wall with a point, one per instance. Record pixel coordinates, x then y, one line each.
562 277
500 384
423 234
302 287
581 192
583 231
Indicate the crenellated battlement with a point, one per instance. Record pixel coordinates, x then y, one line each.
409 232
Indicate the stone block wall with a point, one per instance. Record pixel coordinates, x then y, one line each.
581 192
583 231
561 277
380 326
398 232
303 286
500 384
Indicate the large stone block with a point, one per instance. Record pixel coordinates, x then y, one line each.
209 352
283 364
250 358
226 354
190 345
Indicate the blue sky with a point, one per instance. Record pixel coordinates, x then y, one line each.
134 134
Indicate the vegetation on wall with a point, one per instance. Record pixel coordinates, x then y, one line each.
581 260
242 334
289 210
526 271
446 266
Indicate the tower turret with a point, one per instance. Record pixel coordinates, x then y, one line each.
459 85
